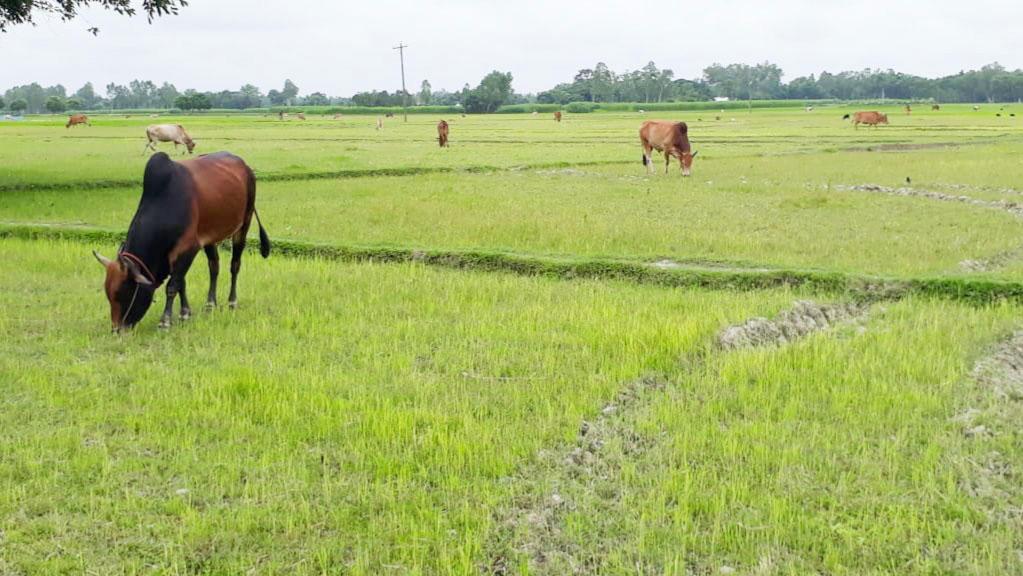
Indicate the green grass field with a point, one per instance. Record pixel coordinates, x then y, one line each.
453 364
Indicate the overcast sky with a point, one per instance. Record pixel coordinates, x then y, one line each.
343 47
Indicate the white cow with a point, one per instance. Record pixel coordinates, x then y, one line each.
167 133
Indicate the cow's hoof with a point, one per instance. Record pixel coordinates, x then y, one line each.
186 314
233 304
164 324
210 306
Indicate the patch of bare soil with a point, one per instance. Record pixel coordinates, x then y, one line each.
1014 208
987 474
992 263
800 321
578 477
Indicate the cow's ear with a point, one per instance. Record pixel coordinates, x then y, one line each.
136 274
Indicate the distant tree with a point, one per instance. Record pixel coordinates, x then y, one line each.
317 99
276 98
55 104
73 104
13 12
494 90
201 101
249 96
425 93
183 102
290 92
19 105
87 96
166 94
1 103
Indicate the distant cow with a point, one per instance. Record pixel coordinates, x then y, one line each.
672 138
337 116
868 118
390 114
300 116
976 108
380 123
442 133
282 115
909 110
557 116
167 133
809 108
935 107
76 119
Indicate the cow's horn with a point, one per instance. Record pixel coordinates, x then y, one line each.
695 153
102 259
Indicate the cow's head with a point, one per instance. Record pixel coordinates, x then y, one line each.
687 162
884 119
130 293
189 143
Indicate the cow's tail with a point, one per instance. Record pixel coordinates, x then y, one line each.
264 239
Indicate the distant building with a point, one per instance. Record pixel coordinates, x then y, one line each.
721 98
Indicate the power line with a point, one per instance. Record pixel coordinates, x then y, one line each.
404 93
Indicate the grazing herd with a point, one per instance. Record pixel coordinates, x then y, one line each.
195 204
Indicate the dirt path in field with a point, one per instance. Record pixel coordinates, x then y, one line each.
581 482
990 264
800 321
986 474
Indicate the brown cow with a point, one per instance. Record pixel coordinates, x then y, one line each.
672 138
557 116
935 107
869 118
442 133
185 207
76 119
300 115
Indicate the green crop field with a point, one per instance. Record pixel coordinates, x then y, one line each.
524 355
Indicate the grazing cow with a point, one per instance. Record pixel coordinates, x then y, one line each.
868 118
809 108
442 133
76 119
185 206
908 110
300 115
976 108
282 115
380 123
534 113
557 116
337 116
167 133
390 114
935 107
672 138
641 111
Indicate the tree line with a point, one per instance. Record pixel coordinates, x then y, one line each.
991 83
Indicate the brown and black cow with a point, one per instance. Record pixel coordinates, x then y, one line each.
185 207
557 116
442 133
76 119
672 138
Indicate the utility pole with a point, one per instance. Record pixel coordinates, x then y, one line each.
404 93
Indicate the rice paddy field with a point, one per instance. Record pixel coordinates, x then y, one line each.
525 355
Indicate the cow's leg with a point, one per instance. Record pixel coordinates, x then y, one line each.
237 248
667 161
147 146
213 258
175 285
648 158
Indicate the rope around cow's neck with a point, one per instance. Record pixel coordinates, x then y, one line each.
132 303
